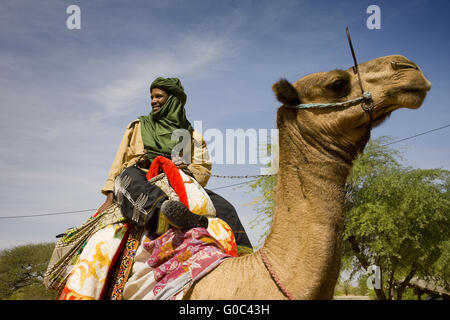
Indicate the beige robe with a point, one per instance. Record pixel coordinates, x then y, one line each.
132 147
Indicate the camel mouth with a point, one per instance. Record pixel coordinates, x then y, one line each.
412 98
420 90
409 98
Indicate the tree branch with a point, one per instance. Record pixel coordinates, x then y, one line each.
357 251
402 286
391 283
365 264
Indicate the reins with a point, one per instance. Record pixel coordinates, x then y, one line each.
368 100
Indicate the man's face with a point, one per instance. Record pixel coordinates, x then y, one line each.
158 98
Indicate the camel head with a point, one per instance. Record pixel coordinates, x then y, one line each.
394 82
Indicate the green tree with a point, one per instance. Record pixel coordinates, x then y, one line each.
442 267
264 204
397 217
362 285
21 272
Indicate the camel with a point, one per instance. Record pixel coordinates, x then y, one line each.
316 150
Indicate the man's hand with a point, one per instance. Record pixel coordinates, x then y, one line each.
179 163
182 165
107 203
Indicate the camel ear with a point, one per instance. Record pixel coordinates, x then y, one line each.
285 92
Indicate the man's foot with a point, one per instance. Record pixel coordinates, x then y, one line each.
180 217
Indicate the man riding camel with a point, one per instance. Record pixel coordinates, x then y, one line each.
157 215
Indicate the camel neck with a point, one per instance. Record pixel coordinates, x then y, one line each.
304 244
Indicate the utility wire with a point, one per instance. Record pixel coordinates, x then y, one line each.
234 185
228 186
417 135
46 214
78 211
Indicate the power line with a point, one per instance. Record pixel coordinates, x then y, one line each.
46 214
417 135
228 186
78 211
234 185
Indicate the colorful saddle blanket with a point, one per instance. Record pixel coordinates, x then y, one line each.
168 266
174 260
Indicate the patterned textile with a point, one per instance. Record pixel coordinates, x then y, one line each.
222 232
187 189
126 261
137 197
69 247
194 197
181 187
179 259
226 212
88 277
134 278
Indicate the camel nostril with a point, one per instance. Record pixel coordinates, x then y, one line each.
403 65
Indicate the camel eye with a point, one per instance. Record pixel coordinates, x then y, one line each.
339 87
338 84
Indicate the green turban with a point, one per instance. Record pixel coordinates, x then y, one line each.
172 86
157 127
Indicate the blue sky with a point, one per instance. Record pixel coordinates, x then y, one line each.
67 95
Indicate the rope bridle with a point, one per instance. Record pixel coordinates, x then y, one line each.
365 98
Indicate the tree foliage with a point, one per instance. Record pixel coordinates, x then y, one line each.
397 217
264 204
21 272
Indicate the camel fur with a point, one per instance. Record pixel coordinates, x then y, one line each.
316 150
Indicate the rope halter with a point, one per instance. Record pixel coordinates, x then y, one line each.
365 99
